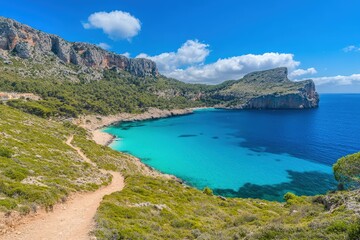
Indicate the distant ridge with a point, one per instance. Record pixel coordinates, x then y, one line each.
37 62
29 43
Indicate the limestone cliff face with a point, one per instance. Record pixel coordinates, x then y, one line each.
28 43
307 97
270 89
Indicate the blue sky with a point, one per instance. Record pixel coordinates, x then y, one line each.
211 41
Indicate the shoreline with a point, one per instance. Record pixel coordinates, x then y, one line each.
94 123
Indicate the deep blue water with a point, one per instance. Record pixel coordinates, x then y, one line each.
252 153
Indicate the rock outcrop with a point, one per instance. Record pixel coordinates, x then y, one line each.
28 53
28 43
270 89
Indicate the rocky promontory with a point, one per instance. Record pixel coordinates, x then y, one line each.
269 89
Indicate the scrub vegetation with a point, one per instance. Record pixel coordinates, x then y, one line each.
39 169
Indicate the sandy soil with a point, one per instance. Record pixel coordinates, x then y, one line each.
73 220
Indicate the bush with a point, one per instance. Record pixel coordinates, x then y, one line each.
16 173
347 171
208 191
8 203
337 227
4 152
354 231
289 196
24 210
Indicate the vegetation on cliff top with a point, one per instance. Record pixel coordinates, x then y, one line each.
111 95
150 208
122 92
347 171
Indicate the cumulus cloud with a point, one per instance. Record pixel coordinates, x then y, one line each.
351 48
116 24
191 52
301 72
338 80
104 46
126 54
188 64
234 67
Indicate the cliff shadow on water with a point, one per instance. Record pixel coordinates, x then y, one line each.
301 183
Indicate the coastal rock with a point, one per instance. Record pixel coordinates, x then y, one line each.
28 43
269 89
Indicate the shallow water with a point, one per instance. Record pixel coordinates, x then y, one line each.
261 154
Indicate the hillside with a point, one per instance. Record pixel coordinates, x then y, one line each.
46 160
81 78
39 169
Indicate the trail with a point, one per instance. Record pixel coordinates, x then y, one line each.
70 221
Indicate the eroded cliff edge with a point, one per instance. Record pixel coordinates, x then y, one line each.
269 89
31 59
28 43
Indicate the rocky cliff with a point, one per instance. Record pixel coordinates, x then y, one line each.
37 61
269 89
28 43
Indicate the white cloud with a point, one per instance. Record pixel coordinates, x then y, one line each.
234 67
300 72
187 64
191 52
338 80
104 46
126 54
351 48
116 24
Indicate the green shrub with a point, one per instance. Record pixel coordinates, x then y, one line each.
354 231
16 173
208 191
337 227
289 196
347 171
8 203
24 210
5 152
292 199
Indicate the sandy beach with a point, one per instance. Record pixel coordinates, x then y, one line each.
94 123
102 138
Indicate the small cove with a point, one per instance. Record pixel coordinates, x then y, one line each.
257 154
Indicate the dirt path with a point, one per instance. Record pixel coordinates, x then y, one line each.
78 150
70 221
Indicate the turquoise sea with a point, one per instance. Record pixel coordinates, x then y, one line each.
249 153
